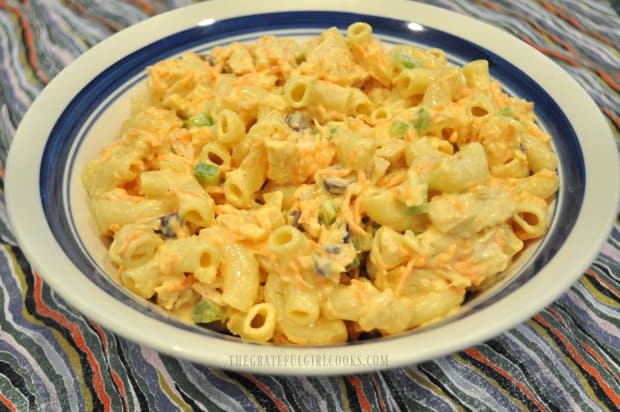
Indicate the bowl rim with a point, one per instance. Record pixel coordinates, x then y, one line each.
593 224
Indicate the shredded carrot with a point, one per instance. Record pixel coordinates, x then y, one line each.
403 278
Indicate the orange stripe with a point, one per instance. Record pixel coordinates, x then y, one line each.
572 20
562 43
7 402
101 333
29 40
577 356
560 13
608 286
144 5
598 36
598 358
605 76
492 6
552 53
83 11
549 7
381 401
476 354
365 405
612 116
608 79
78 7
281 406
118 382
557 55
78 338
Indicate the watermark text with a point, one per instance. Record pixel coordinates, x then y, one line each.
308 360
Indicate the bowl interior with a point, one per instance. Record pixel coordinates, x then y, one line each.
94 116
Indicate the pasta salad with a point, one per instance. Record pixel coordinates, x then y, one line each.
322 191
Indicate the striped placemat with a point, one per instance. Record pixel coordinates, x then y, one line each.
566 358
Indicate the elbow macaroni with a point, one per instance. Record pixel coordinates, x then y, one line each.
308 192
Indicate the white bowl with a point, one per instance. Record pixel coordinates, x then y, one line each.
81 110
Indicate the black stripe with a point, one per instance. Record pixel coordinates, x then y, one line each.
18 383
430 370
604 290
188 399
499 348
129 374
398 391
582 328
105 366
606 272
594 385
380 399
260 397
290 387
175 369
35 349
354 402
572 325
30 305
503 382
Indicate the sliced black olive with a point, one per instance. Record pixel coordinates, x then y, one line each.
321 265
336 185
169 225
294 216
209 59
296 121
332 249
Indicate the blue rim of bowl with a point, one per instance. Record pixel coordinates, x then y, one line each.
59 153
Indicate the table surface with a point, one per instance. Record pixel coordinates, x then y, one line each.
565 358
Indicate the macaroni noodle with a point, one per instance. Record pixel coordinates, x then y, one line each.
320 192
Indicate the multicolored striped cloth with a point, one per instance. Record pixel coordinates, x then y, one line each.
566 358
